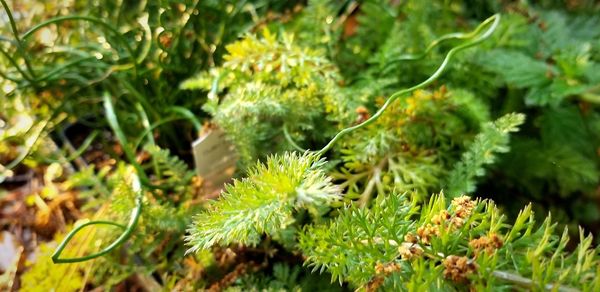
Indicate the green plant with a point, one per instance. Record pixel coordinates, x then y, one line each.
398 245
271 85
265 202
336 183
390 243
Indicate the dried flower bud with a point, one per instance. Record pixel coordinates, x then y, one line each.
363 114
463 206
457 222
458 268
439 218
379 268
488 243
409 250
409 237
386 269
426 232
440 93
374 284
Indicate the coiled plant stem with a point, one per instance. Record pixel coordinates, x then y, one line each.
475 37
492 22
128 230
138 179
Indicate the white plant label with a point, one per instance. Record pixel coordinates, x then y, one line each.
215 158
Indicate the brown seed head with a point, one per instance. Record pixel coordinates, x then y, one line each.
409 250
426 232
440 218
458 268
463 206
457 222
488 243
374 284
409 237
386 269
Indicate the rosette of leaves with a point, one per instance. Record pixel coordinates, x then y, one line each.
265 84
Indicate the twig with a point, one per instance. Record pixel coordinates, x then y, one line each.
528 283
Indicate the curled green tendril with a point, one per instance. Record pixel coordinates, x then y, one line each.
128 230
442 39
32 78
288 137
140 179
475 37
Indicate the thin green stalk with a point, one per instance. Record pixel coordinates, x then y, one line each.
290 140
5 39
19 44
37 131
89 19
187 114
493 22
13 62
5 76
134 218
147 37
139 96
437 42
146 124
129 152
136 185
138 141
58 69
528 283
85 145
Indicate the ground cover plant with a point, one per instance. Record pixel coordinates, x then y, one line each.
380 145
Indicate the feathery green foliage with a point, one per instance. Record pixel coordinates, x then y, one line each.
264 202
394 245
410 148
285 278
351 245
282 76
541 63
493 139
268 83
563 63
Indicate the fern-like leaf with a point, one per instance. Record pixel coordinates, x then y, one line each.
351 246
444 247
494 138
264 201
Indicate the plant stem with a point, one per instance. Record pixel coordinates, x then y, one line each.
493 22
19 44
528 283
